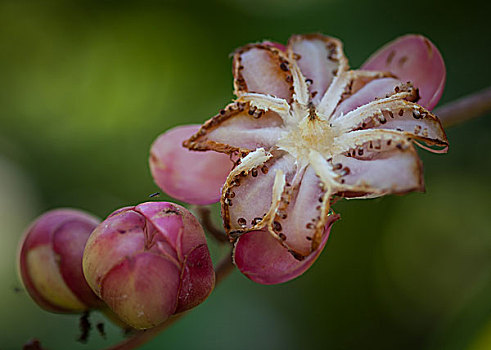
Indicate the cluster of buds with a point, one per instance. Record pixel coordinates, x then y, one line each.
145 263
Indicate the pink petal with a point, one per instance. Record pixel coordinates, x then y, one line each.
279 46
262 69
320 58
302 215
123 233
238 128
68 243
264 260
413 58
380 165
170 218
192 177
378 88
197 278
248 197
398 115
142 289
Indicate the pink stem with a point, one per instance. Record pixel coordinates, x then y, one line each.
465 108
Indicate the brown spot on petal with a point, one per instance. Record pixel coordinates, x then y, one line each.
242 222
277 226
417 114
402 60
390 57
256 221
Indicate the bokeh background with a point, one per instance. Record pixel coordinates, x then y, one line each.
86 86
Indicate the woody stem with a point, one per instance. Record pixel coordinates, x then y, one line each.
204 215
465 108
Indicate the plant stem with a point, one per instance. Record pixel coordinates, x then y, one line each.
222 270
465 108
203 213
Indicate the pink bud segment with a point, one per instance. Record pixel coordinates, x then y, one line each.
190 176
149 262
50 261
279 46
413 58
259 256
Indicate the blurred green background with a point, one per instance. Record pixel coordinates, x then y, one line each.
86 86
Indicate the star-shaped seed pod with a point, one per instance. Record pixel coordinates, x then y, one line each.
305 130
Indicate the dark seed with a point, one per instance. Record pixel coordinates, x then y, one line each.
360 151
417 115
242 221
264 169
282 236
231 194
284 66
309 225
222 111
255 221
277 226
308 238
309 81
401 112
254 172
337 166
389 142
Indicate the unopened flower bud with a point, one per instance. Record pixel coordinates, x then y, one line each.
50 261
189 176
149 262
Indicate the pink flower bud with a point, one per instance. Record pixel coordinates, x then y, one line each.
50 261
190 176
149 262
